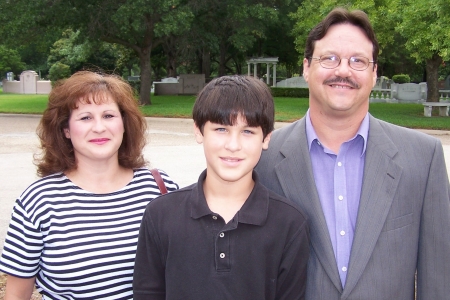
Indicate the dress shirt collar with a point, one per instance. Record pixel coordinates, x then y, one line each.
363 131
254 211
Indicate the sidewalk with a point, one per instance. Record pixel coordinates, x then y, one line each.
172 148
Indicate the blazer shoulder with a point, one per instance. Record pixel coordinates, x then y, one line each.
286 130
399 133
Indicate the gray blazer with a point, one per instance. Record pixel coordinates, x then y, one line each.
403 222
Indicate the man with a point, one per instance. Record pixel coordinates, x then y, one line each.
376 195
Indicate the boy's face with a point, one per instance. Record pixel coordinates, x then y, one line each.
231 151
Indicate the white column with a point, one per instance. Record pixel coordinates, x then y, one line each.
248 67
268 74
274 75
255 70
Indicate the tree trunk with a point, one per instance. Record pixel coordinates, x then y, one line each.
432 69
222 59
206 63
146 76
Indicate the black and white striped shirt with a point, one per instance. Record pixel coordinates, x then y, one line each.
78 244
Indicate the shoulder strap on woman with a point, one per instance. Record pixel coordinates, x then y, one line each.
159 181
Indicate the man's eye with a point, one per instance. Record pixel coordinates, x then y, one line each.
329 58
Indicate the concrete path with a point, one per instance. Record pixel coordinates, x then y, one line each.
171 147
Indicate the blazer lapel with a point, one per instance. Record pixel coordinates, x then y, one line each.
297 181
381 178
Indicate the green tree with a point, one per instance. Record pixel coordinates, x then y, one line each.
10 61
225 30
279 40
80 53
58 71
425 25
135 24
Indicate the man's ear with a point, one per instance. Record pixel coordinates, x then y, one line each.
306 69
266 141
198 134
374 75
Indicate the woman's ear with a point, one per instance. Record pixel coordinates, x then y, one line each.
66 132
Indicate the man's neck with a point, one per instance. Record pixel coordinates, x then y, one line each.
334 130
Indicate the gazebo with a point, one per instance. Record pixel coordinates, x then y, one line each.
267 61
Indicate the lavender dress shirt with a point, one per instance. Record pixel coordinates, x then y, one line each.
338 180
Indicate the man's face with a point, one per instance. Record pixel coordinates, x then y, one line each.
341 91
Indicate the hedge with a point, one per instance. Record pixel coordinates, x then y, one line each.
401 78
290 92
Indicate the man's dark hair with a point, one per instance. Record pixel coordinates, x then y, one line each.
337 16
226 98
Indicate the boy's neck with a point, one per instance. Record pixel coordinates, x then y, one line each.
227 198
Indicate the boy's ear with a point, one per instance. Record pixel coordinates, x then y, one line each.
198 134
266 141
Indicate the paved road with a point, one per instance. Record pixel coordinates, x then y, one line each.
171 147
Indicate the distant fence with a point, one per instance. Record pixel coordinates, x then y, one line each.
405 93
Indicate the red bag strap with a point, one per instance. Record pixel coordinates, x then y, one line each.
159 181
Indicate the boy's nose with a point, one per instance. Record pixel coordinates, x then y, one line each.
233 143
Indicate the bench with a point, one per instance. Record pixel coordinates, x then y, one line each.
443 108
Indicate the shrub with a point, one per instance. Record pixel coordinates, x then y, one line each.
290 92
401 78
58 71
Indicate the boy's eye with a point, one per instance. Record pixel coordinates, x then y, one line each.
247 131
220 129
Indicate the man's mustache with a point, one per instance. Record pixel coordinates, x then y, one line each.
342 80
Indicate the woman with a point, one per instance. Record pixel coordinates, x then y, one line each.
74 232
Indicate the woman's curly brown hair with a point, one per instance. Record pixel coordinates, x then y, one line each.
83 87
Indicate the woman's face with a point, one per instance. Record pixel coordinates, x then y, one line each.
96 131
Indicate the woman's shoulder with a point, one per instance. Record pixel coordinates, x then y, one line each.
53 181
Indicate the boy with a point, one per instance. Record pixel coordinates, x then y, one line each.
226 237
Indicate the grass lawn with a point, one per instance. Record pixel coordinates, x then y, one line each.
287 109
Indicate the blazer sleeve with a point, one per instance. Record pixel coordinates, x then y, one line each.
149 269
433 270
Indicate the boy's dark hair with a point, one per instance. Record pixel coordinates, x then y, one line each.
338 16
225 98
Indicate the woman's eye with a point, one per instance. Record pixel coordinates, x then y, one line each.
85 118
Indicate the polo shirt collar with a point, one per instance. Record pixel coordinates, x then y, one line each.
254 211
363 131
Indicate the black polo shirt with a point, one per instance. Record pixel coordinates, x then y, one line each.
185 251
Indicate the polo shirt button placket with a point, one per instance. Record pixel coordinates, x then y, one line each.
222 251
